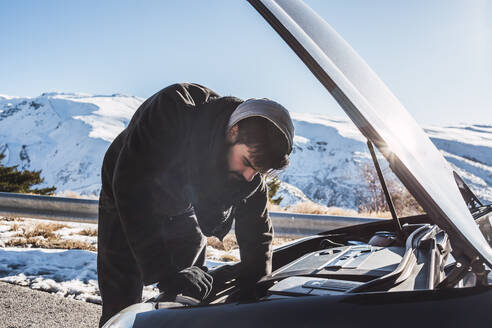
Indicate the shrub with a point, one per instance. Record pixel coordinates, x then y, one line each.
374 201
88 232
273 186
13 180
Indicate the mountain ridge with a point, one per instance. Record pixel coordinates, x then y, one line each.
66 135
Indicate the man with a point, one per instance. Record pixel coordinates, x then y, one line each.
188 164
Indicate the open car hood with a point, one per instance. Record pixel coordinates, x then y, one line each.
381 119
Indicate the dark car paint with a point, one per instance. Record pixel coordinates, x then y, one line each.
465 307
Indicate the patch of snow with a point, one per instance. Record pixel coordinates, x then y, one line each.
216 255
290 195
63 272
67 273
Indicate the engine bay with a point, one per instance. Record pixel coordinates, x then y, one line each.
335 270
359 260
417 262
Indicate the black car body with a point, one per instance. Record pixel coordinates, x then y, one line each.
418 271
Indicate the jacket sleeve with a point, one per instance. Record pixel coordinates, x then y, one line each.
149 181
254 233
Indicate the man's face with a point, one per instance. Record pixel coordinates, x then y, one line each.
239 163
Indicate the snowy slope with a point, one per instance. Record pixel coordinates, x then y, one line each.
468 148
326 159
67 134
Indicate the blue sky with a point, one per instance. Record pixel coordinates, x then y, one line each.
436 56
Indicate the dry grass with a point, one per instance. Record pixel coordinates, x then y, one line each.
230 242
314 208
12 219
36 233
43 235
74 194
228 258
274 207
88 232
52 242
379 214
45 230
14 227
227 244
282 240
52 226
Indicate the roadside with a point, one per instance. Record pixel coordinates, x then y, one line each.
24 307
60 258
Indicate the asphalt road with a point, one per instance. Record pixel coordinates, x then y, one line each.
24 307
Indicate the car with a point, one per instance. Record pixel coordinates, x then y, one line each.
418 271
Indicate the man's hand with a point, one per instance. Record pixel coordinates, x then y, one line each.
191 281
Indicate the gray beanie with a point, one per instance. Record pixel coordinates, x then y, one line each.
269 109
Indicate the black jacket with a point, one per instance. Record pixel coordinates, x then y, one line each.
172 159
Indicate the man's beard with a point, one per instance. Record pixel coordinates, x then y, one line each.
232 176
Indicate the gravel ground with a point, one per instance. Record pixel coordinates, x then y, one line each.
24 307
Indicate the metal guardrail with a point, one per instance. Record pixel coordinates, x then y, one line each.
297 224
85 210
48 207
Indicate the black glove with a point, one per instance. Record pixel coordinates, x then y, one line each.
191 281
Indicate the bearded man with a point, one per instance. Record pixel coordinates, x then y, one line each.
189 164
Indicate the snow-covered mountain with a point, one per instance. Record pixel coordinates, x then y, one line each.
329 155
63 134
66 135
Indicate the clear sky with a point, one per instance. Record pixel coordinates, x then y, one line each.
436 56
